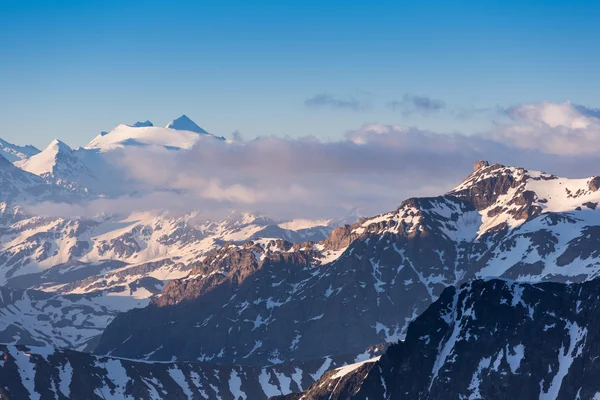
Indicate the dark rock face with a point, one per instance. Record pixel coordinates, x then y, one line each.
487 340
260 295
594 184
40 372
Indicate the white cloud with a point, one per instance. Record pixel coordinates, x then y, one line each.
552 128
373 168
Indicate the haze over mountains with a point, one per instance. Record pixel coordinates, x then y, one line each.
109 274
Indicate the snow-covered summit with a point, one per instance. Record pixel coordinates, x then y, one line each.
127 136
58 164
181 133
183 123
45 161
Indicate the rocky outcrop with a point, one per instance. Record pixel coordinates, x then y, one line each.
480 164
490 339
594 184
340 238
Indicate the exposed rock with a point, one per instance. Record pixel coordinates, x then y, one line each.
594 184
488 340
480 164
39 372
340 238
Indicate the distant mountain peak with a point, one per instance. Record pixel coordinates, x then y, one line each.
480 164
140 124
58 146
13 153
183 123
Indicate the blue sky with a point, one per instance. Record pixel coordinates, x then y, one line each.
70 69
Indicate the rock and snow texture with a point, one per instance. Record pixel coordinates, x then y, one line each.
97 267
489 339
13 153
51 250
48 319
18 186
267 300
366 282
28 372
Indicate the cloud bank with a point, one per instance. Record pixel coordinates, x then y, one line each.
373 168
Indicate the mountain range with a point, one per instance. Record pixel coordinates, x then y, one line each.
486 291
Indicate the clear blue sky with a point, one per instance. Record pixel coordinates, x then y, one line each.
70 69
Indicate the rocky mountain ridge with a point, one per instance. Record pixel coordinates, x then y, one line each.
103 266
490 339
379 275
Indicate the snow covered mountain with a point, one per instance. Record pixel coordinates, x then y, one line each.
35 246
183 123
490 339
366 282
18 186
97 170
117 263
13 153
181 133
59 164
250 291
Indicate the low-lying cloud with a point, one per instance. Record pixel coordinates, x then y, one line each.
373 168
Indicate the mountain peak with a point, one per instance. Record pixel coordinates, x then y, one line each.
57 146
140 124
183 123
480 164
51 160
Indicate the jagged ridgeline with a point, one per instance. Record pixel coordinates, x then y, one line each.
250 295
266 302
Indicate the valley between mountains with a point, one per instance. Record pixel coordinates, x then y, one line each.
486 291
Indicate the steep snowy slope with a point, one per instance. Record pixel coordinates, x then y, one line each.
366 282
18 186
13 153
58 164
491 339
